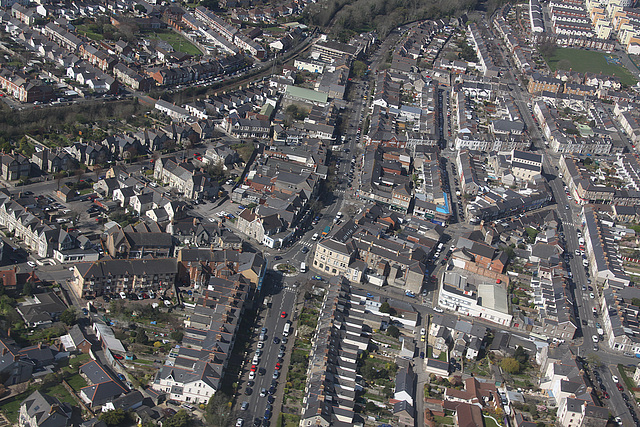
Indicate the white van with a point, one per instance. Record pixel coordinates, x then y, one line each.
287 327
303 267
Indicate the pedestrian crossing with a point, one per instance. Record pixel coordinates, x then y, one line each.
307 243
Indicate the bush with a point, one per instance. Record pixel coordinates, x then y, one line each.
393 331
510 365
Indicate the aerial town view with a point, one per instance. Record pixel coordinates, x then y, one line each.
324 213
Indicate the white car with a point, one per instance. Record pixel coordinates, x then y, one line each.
577 252
423 331
591 295
594 338
615 379
438 310
31 264
239 422
260 344
256 360
252 375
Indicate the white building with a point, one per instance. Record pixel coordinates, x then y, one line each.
474 295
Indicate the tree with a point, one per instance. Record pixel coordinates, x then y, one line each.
218 411
635 301
510 365
180 419
27 289
393 331
176 335
521 355
386 308
141 337
115 417
68 317
593 360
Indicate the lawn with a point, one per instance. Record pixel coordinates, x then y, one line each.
11 406
77 382
443 420
584 61
288 420
179 43
84 30
490 422
62 394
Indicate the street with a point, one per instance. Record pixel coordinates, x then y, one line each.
270 317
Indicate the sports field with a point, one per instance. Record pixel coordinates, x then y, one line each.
179 43
592 61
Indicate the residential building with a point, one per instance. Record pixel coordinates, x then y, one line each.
42 410
123 275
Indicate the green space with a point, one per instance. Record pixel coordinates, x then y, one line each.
288 420
442 356
443 420
86 31
11 406
76 382
625 378
179 43
62 394
584 61
490 422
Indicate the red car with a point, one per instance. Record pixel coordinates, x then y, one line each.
605 395
118 356
620 387
254 368
278 366
283 314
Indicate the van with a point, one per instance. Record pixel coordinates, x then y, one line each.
287 327
303 267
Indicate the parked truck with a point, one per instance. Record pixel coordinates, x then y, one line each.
326 230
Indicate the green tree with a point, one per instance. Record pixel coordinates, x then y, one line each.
359 68
635 301
521 356
176 335
68 317
393 331
113 418
510 365
181 419
27 289
593 360
218 410
386 308
141 337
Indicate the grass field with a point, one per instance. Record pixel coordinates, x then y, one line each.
84 30
77 382
11 406
584 61
179 43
